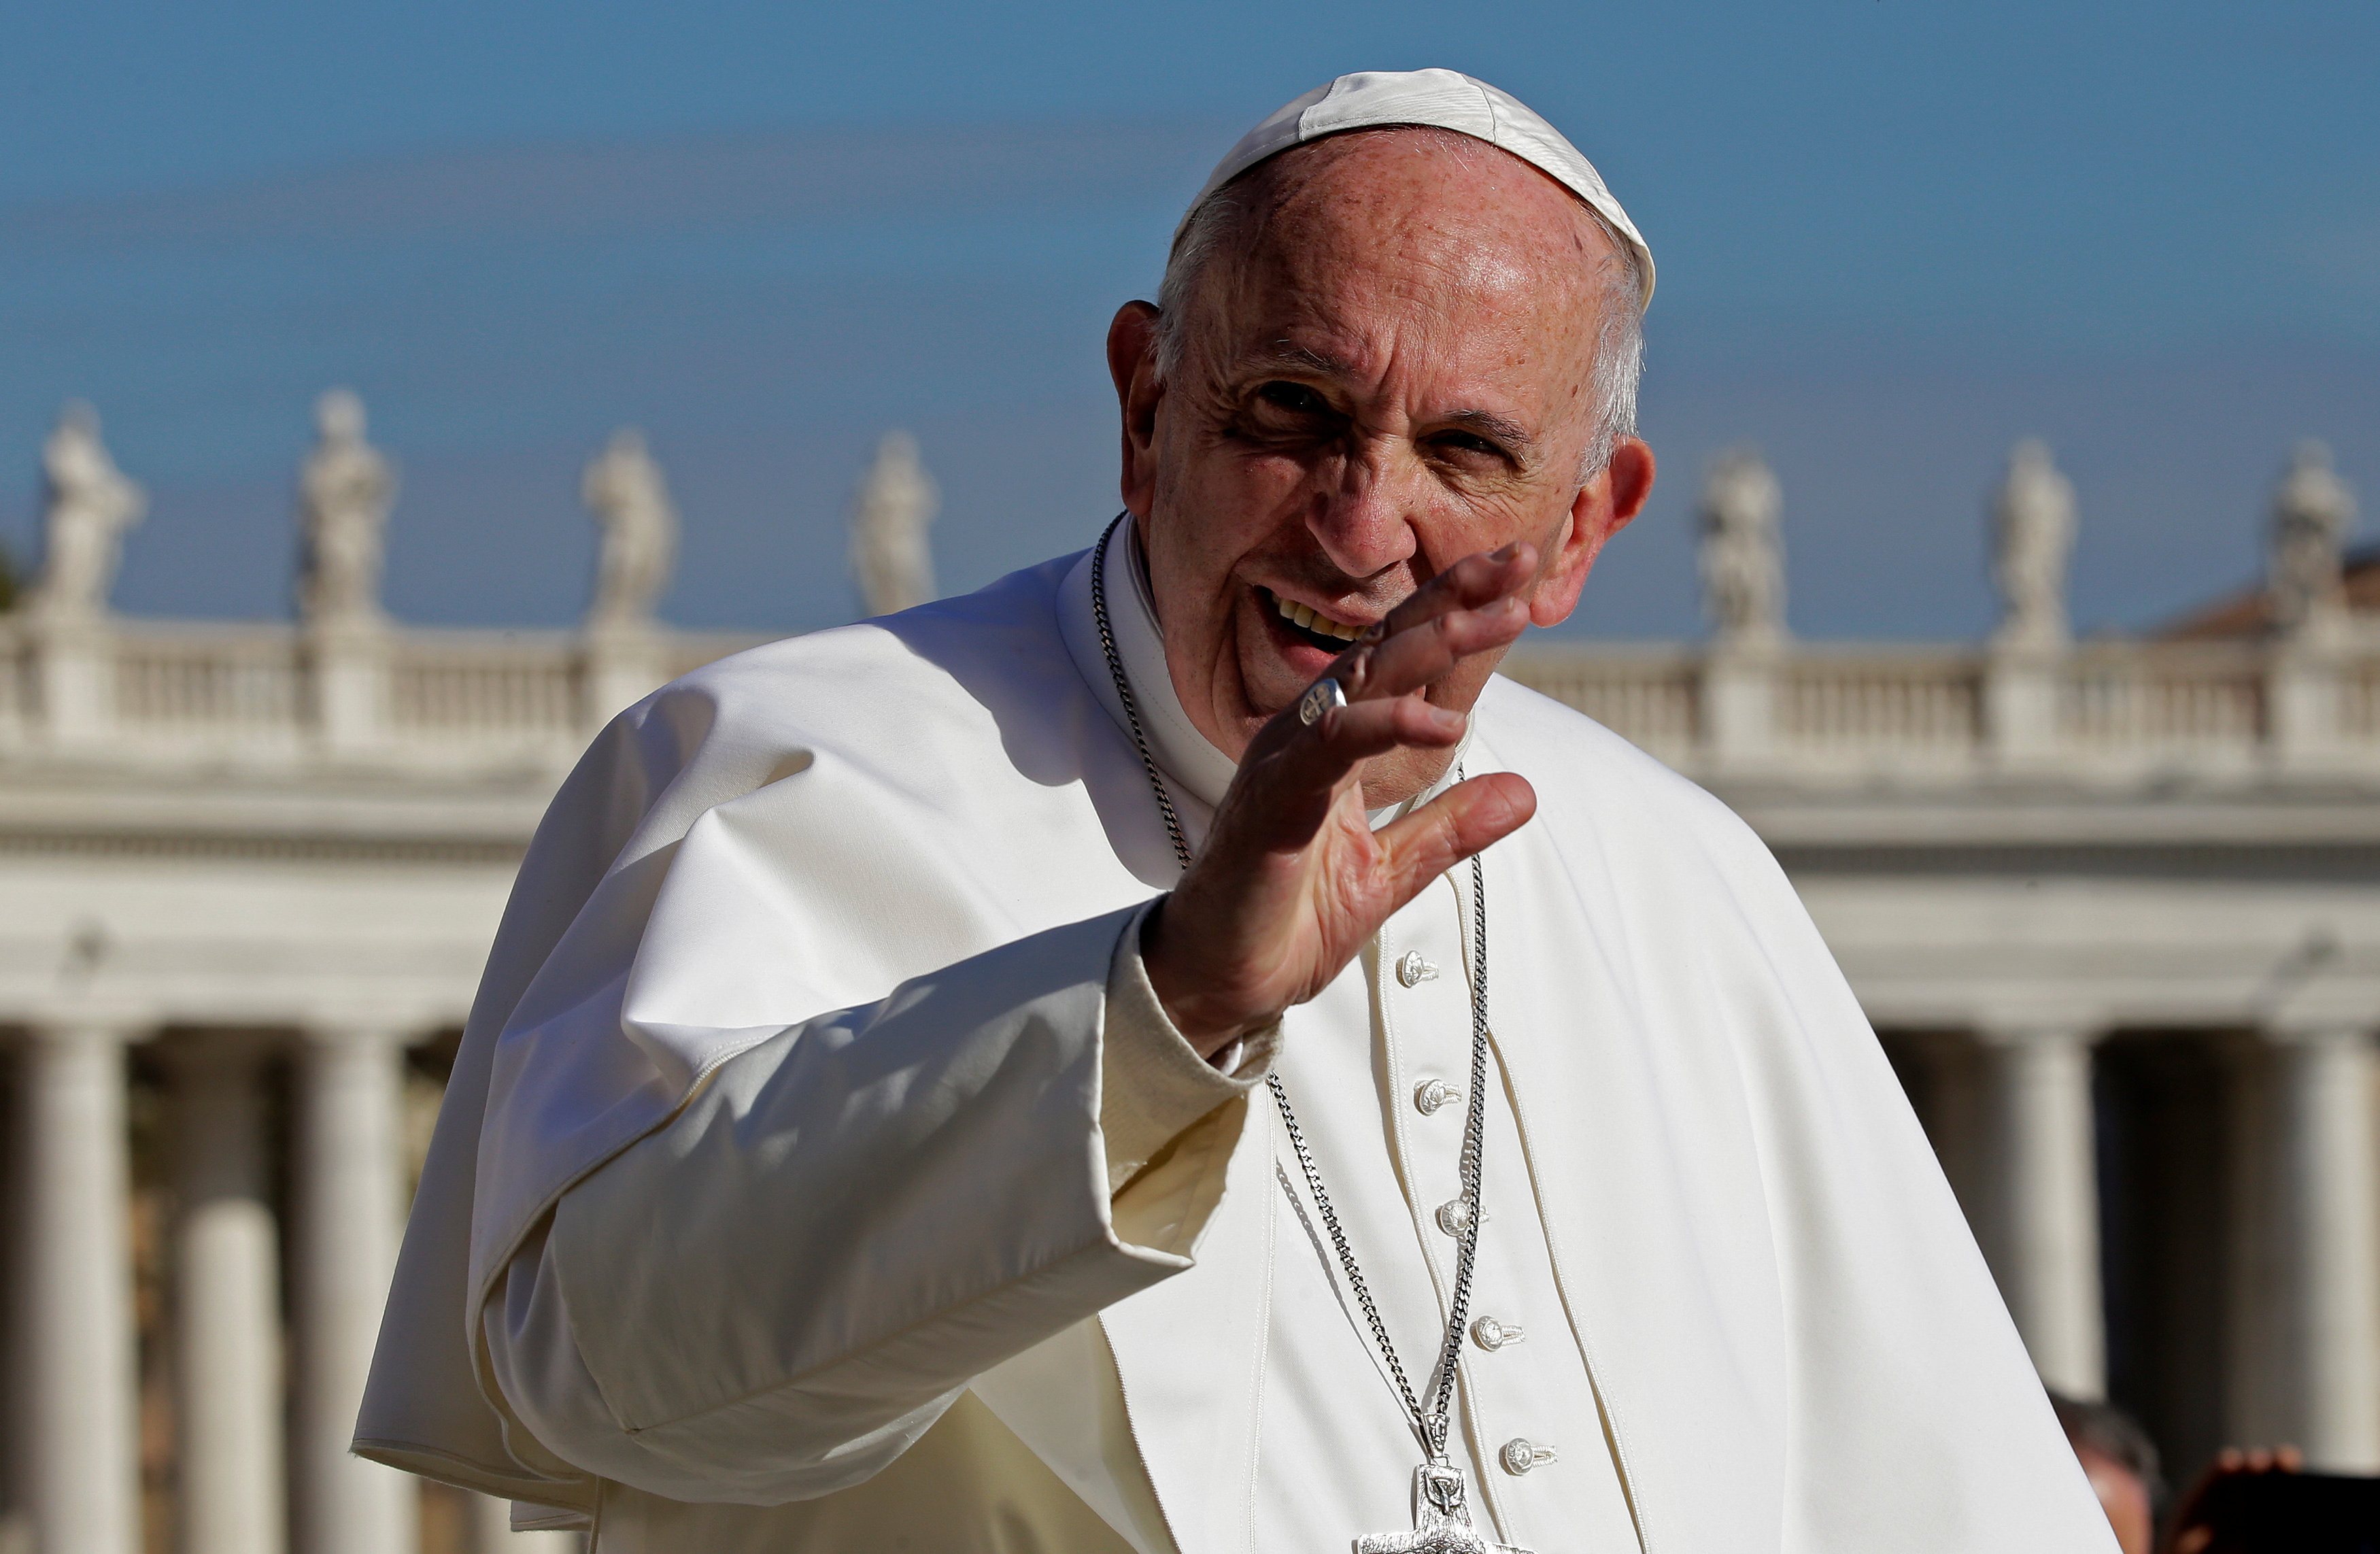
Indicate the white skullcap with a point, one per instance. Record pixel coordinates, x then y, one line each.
1443 100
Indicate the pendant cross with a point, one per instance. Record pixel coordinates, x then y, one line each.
1441 1520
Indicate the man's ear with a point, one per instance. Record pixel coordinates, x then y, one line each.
1603 507
1132 363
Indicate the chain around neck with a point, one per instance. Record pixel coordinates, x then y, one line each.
1429 1425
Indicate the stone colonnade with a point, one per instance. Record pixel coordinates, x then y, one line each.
2306 1318
2331 1328
263 1462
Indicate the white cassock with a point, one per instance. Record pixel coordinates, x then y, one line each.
819 1173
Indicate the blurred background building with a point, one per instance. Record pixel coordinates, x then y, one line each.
2113 905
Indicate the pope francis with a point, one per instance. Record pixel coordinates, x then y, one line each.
1167 1053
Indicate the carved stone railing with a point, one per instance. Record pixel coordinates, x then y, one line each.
427 698
512 685
2099 713
1649 697
232 680
247 694
2193 695
1905 699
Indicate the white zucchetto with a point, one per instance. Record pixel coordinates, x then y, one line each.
1442 100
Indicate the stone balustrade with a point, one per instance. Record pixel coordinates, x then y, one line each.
2099 713
273 696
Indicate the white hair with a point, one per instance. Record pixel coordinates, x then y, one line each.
1619 338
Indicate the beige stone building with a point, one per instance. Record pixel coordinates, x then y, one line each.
2114 906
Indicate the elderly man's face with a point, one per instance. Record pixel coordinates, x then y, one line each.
1392 371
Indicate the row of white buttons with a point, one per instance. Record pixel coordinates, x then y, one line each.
1519 1454
1431 1096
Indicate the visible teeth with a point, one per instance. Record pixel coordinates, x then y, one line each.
1314 620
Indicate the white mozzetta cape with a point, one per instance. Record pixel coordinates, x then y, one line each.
892 866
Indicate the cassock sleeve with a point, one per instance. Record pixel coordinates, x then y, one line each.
772 1296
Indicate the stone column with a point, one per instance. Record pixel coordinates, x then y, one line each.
2327 1144
349 1187
75 671
81 1449
2042 1237
349 670
621 666
1739 696
226 1303
2302 693
2020 712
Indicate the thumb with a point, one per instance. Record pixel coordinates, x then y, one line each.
1468 817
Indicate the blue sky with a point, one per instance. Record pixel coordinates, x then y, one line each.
1892 238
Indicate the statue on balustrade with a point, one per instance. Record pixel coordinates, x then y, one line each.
1743 552
344 492
2313 511
89 506
896 506
2034 522
622 486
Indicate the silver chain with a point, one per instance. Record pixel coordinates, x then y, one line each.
1431 1426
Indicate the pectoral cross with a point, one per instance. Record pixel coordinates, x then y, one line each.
1441 1520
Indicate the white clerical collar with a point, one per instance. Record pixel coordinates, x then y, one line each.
1185 756
1183 753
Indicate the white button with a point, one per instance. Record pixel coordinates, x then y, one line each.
1490 1334
1521 1455
1413 971
1453 1215
1431 1094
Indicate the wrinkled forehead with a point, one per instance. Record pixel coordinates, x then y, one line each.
1411 211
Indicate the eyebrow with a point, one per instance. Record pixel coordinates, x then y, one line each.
1487 423
1306 359
1501 429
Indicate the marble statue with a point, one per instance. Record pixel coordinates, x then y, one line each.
2313 511
1743 559
2034 534
89 506
895 505
624 488
345 492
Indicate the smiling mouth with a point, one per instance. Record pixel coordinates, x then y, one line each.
1313 625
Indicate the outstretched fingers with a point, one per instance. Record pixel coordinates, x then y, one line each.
1300 775
1473 581
1471 607
1419 654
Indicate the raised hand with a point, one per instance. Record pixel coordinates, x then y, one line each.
1292 879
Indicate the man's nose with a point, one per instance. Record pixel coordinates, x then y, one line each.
1364 521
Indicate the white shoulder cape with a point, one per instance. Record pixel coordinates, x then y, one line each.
1796 1343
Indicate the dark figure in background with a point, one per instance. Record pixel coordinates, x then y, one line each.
2121 1462
2250 1500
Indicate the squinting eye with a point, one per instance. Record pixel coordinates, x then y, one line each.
1294 397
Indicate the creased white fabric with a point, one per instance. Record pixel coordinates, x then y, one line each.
914 1193
913 849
